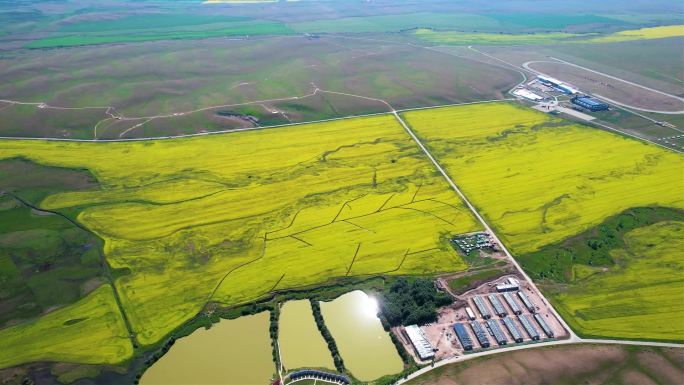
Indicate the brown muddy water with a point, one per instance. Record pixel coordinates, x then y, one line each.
365 347
232 352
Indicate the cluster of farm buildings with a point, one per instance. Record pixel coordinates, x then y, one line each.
496 319
578 100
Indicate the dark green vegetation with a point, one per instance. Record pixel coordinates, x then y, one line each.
616 278
45 260
555 262
566 365
412 301
332 346
274 315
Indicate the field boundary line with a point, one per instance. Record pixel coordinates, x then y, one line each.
388 113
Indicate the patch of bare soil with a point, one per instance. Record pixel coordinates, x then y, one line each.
634 377
661 368
560 365
676 356
91 285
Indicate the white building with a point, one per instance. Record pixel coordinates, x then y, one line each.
419 342
527 94
511 284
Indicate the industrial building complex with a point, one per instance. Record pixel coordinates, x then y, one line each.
555 96
494 315
496 332
545 327
513 329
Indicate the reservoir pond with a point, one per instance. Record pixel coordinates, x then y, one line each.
301 344
365 347
232 352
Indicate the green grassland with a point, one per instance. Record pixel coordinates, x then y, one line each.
397 23
161 78
46 262
236 28
232 218
470 281
122 27
540 180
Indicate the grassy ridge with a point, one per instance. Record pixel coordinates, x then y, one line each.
232 218
638 298
587 252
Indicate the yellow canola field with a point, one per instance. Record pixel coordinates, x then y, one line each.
232 217
480 38
538 179
88 332
641 34
543 38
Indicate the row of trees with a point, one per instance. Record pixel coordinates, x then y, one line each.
273 331
332 346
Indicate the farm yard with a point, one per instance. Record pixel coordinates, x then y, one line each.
606 87
515 169
231 218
